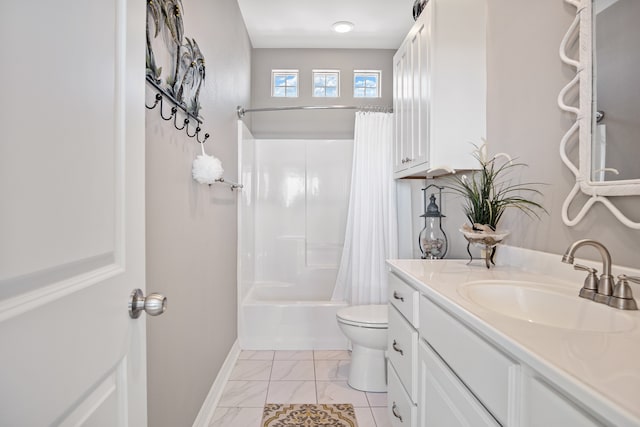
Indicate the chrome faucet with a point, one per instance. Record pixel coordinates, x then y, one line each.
602 290
597 290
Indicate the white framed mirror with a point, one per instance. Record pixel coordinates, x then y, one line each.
608 115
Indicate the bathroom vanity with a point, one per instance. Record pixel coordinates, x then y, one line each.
509 346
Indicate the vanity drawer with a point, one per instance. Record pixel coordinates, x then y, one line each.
402 351
405 298
485 370
402 412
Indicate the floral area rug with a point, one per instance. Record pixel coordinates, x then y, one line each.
309 415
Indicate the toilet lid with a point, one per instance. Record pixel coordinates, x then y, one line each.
367 315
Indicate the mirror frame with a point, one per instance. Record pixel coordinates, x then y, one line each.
597 191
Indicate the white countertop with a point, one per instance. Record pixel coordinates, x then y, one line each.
600 369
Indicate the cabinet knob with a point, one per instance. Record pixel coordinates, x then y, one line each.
406 160
396 295
396 348
394 410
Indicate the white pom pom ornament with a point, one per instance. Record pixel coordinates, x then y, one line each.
207 169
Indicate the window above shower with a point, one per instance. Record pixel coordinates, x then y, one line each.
284 83
326 83
366 84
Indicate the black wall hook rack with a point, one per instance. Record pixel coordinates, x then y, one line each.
188 120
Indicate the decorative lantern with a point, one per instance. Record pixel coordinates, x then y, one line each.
432 239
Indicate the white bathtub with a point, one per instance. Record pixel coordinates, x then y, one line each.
291 223
276 318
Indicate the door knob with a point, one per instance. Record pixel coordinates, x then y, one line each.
153 305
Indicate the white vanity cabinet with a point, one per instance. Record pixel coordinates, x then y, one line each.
402 351
439 88
444 372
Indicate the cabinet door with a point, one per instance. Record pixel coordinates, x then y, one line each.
488 372
546 406
443 398
411 88
399 107
418 50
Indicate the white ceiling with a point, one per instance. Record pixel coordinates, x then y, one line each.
379 24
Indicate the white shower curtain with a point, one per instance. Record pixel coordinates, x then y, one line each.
371 231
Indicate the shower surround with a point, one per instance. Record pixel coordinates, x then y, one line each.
291 220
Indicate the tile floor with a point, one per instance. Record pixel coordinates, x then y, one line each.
293 377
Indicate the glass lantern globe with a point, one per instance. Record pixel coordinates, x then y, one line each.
432 239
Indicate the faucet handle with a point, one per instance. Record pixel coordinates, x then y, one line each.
585 268
590 286
633 279
622 296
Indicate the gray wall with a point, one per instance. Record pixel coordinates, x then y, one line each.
191 228
525 75
314 124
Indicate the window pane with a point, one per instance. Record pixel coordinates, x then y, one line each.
292 80
285 83
326 83
366 84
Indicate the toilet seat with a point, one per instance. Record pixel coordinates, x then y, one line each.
365 316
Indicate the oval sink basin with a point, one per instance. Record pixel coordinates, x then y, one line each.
546 305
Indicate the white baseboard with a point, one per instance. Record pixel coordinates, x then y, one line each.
211 402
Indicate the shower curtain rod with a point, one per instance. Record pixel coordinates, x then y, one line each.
241 111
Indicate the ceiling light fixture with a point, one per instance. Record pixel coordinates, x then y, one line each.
342 26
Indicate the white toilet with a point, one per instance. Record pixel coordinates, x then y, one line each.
366 327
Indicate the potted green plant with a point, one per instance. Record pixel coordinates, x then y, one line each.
487 194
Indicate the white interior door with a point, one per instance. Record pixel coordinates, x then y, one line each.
71 212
